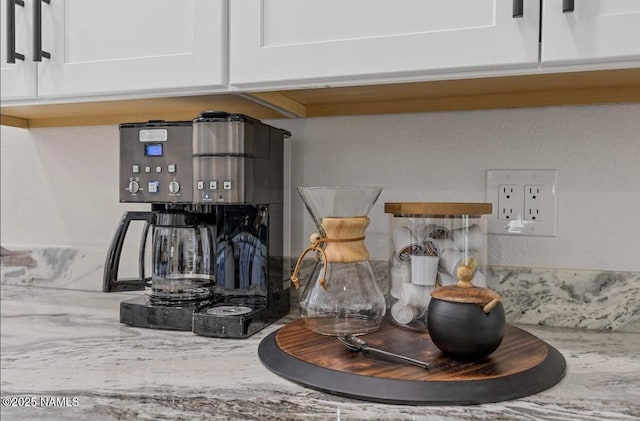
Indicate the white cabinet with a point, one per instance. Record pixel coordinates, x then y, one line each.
112 48
121 46
302 43
594 30
17 79
273 42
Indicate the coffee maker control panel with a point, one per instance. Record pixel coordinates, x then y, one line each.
222 180
155 162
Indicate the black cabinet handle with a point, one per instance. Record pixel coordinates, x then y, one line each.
38 52
518 8
568 6
12 55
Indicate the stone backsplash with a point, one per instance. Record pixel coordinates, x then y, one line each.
601 300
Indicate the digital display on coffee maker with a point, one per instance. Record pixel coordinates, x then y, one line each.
154 149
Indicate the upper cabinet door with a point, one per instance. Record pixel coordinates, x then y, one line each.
280 42
594 30
116 46
17 79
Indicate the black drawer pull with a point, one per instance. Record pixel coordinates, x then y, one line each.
12 55
518 8
38 52
568 6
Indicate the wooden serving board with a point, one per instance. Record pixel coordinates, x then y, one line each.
521 366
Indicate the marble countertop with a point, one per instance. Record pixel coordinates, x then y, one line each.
65 343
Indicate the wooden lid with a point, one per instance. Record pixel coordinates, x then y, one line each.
450 209
473 295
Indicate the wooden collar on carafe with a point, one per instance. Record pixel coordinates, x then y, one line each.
344 243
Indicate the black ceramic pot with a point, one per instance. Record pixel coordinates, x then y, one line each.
464 330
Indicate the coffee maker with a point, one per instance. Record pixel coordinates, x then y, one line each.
215 185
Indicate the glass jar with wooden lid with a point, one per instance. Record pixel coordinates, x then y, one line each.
428 242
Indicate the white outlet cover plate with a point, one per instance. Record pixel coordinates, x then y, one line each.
518 226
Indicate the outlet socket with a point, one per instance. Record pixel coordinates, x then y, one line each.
508 203
524 202
534 202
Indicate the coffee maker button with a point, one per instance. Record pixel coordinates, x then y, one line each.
171 168
135 168
133 187
213 185
200 185
147 169
174 187
226 185
158 169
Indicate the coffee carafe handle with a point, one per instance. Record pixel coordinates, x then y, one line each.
110 280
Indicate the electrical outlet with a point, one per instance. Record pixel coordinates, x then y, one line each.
508 204
524 202
534 202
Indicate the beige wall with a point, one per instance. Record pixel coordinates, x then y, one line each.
59 185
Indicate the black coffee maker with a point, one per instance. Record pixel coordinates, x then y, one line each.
215 186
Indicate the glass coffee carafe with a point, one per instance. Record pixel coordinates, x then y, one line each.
182 259
341 296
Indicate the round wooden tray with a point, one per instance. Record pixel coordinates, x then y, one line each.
523 365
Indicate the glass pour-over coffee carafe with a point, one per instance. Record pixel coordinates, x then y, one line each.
341 296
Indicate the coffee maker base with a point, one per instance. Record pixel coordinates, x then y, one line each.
139 312
204 318
230 321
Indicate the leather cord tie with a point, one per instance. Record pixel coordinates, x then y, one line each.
317 241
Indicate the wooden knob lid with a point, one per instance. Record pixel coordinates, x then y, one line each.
465 292
472 295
